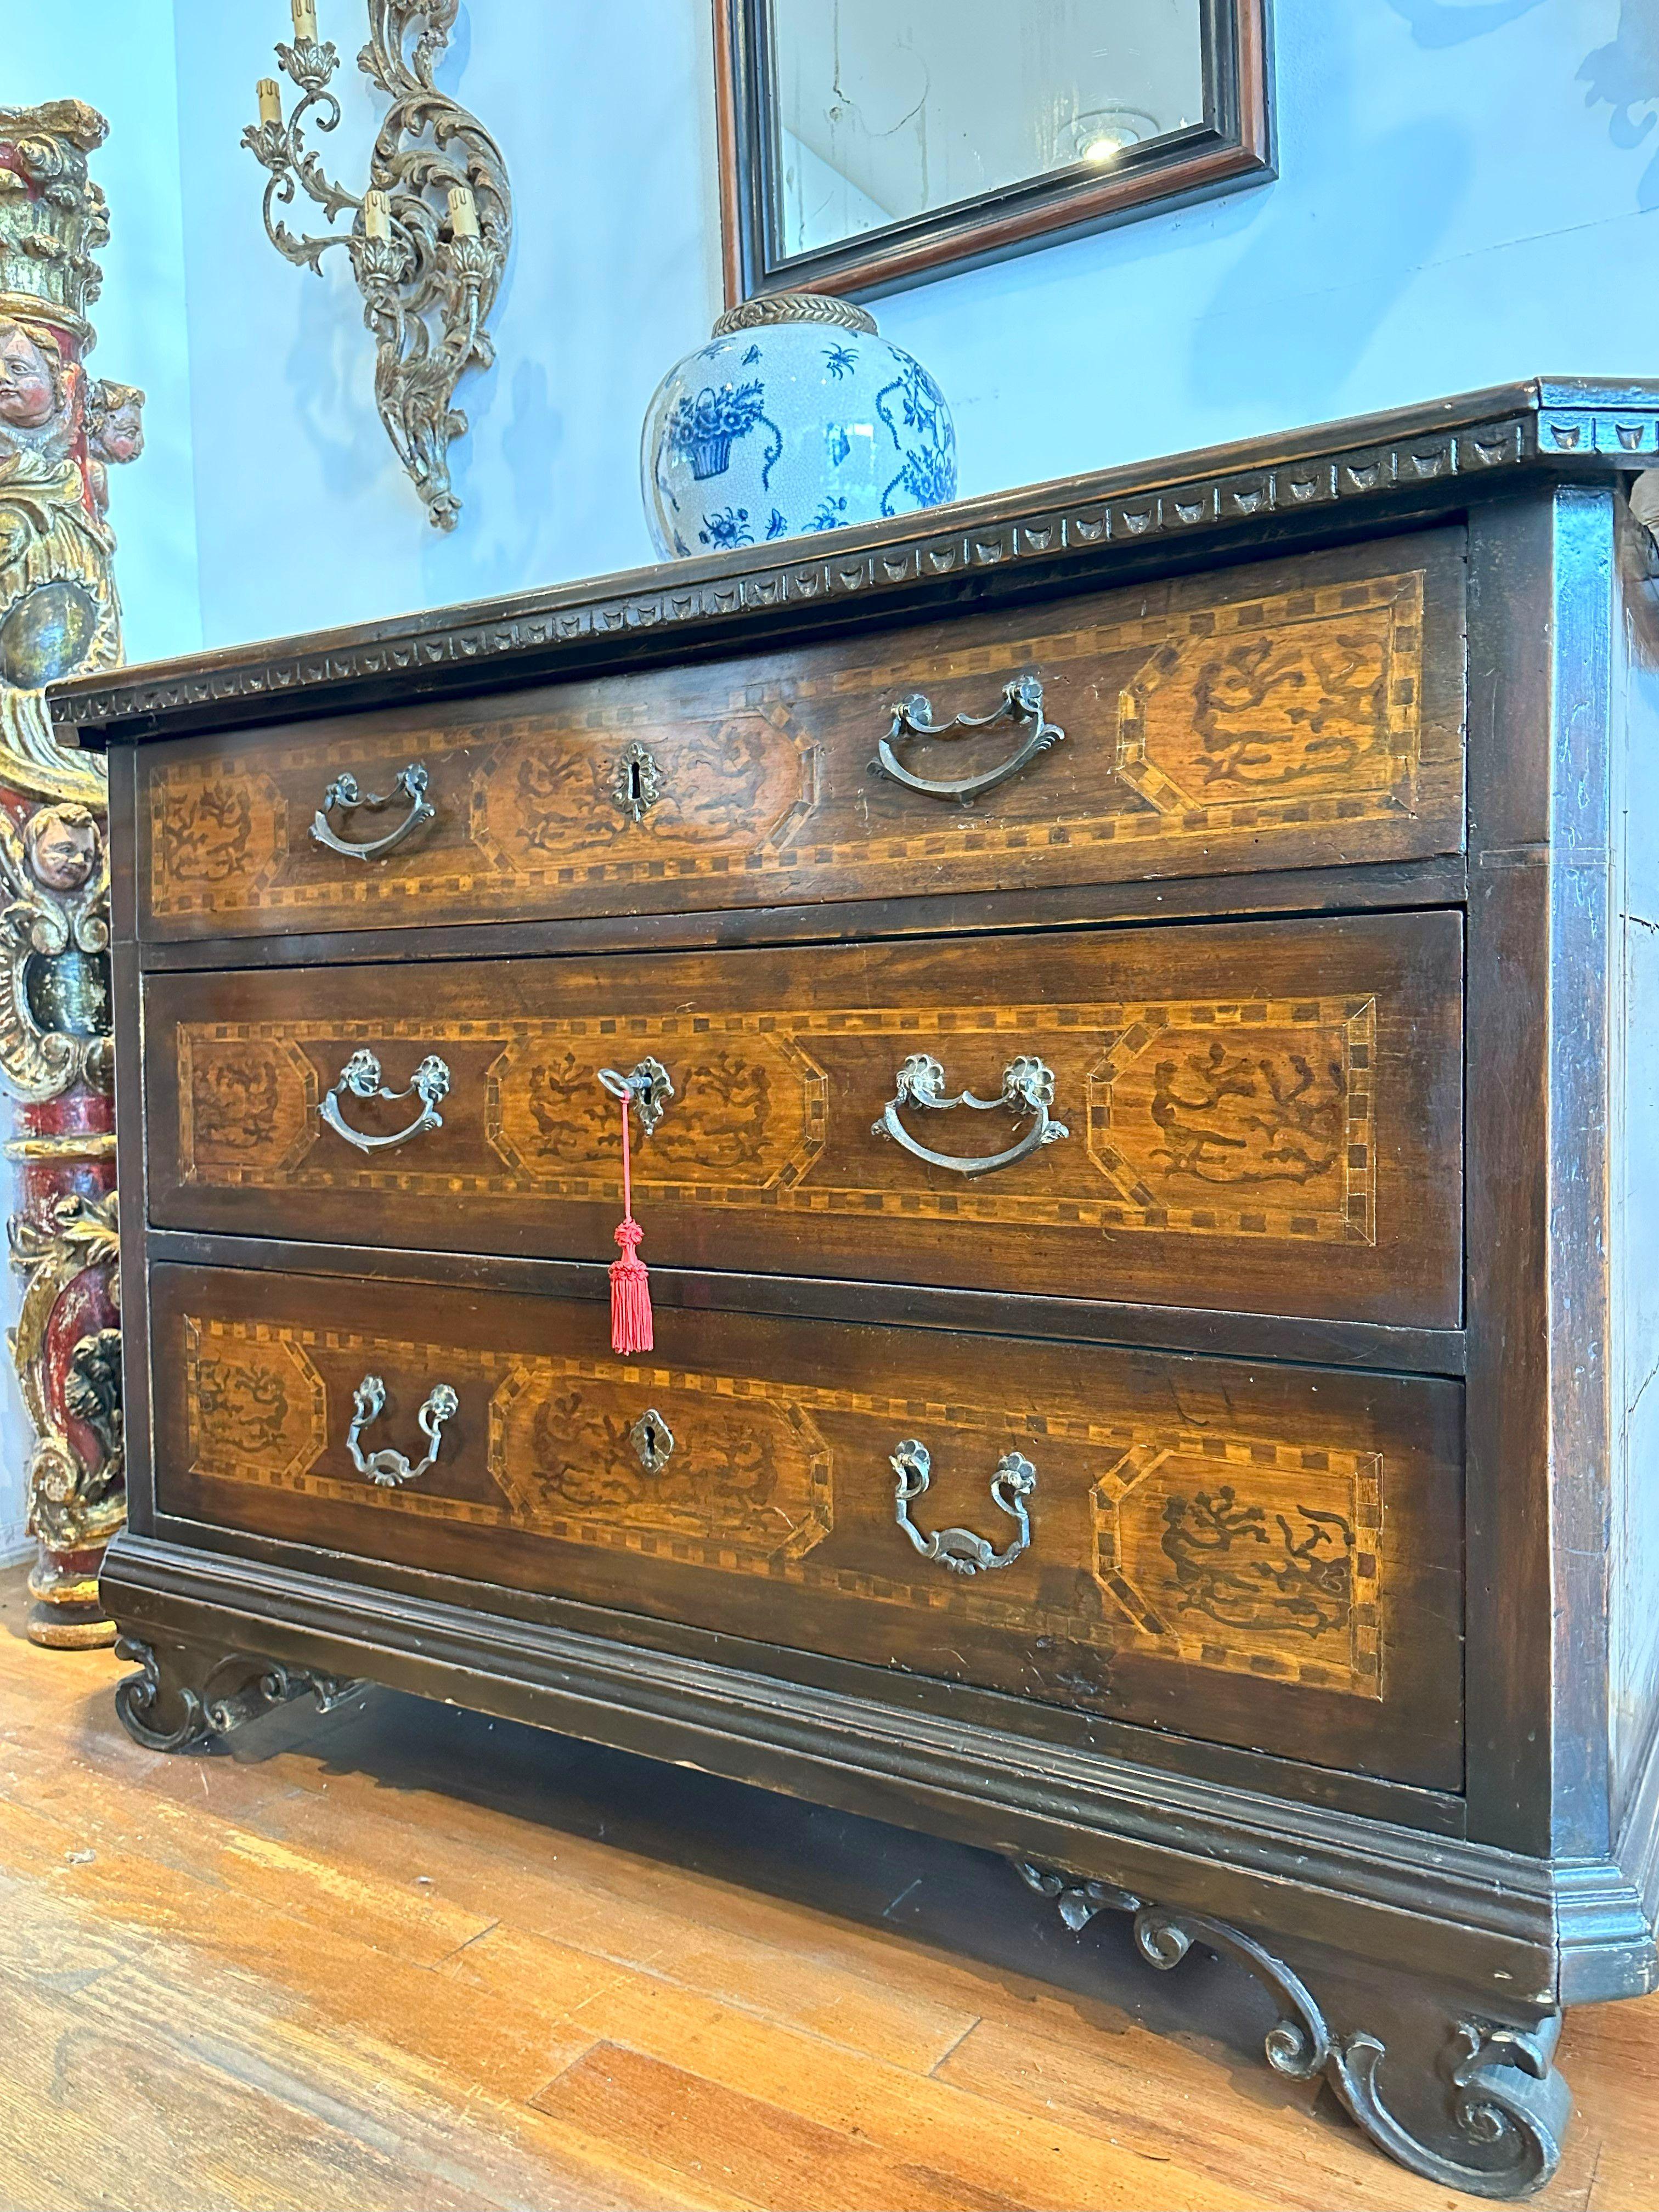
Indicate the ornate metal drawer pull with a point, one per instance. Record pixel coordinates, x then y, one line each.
361 1076
1021 709
388 1467
1028 1088
960 1549
410 783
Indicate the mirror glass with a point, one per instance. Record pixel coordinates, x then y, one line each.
885 110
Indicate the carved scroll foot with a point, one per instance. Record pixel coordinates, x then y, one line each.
181 1699
1444 2085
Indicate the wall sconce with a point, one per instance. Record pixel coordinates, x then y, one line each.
430 237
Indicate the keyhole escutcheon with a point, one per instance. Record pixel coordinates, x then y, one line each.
653 1441
637 782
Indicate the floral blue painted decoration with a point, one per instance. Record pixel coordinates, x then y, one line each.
797 417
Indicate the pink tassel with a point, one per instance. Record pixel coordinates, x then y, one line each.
630 1282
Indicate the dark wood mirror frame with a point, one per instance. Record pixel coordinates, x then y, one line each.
1232 146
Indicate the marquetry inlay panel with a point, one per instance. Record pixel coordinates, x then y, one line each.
1210 1548
1259 1557
1203 1117
750 1108
541 816
247 1105
1189 729
254 1402
1243 1117
746 1487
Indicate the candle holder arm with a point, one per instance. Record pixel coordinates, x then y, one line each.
429 286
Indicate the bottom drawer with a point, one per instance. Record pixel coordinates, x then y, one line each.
1254 1554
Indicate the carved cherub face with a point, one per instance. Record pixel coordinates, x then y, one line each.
29 390
118 425
61 846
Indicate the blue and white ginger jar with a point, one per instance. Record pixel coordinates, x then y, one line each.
797 417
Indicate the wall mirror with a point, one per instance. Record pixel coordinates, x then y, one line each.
865 142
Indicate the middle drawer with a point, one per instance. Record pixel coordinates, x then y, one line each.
1250 1116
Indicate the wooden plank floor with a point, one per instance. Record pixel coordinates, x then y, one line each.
408 1957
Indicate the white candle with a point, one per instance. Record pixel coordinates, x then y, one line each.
271 101
305 21
377 215
462 212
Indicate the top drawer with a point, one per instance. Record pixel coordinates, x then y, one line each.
1305 714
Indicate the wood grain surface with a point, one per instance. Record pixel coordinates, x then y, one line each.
407 1955
1268 1557
1264 1117
1304 713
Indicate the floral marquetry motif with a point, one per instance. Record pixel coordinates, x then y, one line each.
746 1487
733 787
247 1104
1259 1558
218 835
1253 1118
256 1404
1233 709
750 1114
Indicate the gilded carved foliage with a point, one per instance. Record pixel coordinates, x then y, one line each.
54 939
61 432
429 266
76 1502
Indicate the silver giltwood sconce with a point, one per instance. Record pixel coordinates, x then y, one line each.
429 238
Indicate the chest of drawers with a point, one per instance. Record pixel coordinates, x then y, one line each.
1155 975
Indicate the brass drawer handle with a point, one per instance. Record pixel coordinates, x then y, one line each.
409 783
1027 1089
388 1467
1021 709
960 1549
360 1077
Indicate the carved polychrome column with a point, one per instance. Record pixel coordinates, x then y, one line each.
59 616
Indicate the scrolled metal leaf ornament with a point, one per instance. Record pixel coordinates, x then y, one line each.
430 231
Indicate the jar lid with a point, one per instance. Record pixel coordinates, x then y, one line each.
794 308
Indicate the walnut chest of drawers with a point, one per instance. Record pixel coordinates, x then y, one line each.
1159 982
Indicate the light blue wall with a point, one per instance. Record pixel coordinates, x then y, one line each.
1465 196
1455 206
605 115
117 55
